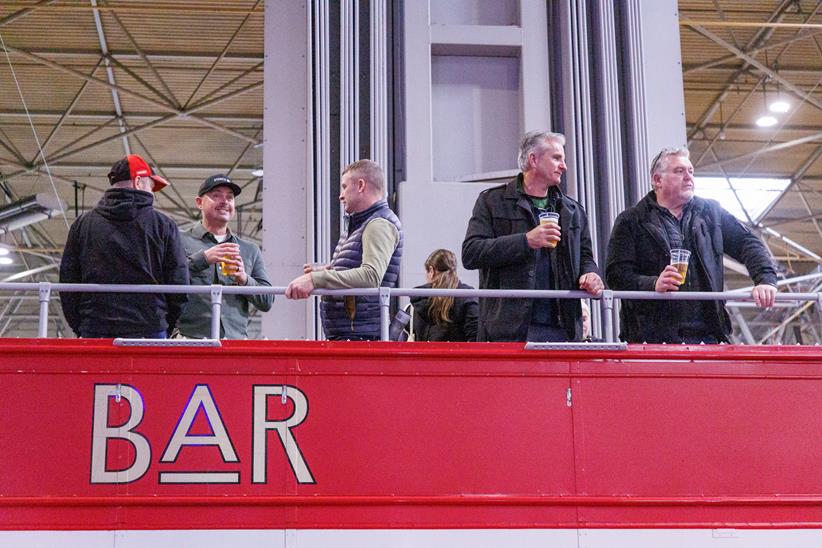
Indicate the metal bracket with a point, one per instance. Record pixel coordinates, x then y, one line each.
216 293
44 288
385 296
608 299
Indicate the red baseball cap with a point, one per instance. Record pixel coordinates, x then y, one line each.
134 166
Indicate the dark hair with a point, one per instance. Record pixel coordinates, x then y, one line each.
444 264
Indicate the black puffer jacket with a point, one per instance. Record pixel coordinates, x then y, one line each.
638 252
464 316
123 240
495 243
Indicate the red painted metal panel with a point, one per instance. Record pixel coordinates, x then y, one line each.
418 435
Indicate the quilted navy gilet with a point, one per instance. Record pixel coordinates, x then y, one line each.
348 255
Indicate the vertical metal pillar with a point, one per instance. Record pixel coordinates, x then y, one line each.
45 295
287 159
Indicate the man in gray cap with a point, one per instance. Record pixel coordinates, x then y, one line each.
216 256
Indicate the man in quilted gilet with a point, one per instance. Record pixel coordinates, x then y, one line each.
367 255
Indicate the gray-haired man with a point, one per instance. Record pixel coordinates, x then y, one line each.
506 241
671 217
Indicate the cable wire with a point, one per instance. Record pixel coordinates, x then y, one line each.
34 132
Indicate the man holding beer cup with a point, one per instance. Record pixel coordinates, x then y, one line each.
527 234
216 256
674 241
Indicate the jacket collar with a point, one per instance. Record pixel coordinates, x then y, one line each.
199 231
355 219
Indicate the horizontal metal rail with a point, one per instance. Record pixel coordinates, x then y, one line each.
45 289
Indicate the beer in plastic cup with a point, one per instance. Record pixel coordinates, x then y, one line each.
227 268
549 218
679 259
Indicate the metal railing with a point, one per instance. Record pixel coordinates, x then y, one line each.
384 294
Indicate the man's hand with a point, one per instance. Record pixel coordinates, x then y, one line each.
668 280
592 283
219 252
543 235
300 287
764 295
239 275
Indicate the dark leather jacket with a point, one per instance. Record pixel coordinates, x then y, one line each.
638 252
495 243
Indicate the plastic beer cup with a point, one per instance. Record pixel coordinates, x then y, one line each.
549 218
680 259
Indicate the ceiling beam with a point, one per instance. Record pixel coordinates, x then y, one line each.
169 94
115 94
796 178
188 113
124 55
221 56
102 166
191 7
762 67
751 24
65 115
774 148
95 115
721 60
25 11
757 40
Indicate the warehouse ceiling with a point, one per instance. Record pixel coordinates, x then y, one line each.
180 83
739 57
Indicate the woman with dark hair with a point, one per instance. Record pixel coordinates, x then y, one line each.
444 318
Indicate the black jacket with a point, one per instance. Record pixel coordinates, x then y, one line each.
638 252
495 243
123 240
464 316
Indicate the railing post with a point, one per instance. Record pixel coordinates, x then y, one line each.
216 304
607 310
45 295
385 297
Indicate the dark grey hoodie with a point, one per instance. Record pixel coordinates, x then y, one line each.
123 240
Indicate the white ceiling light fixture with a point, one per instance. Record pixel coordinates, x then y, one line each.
4 251
779 106
766 121
6 260
258 172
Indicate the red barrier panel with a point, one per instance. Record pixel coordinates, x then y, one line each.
412 435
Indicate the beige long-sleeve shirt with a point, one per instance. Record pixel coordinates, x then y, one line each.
379 240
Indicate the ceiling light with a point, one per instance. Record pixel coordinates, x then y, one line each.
766 121
6 260
4 251
258 172
779 106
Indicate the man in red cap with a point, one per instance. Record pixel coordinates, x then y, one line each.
124 240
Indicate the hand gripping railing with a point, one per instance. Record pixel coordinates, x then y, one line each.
384 294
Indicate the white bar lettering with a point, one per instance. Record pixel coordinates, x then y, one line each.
219 437
102 432
283 428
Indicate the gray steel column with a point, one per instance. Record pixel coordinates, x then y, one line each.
654 89
287 162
